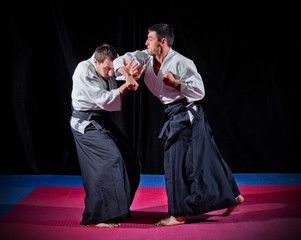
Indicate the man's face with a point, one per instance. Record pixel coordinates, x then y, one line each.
153 44
105 69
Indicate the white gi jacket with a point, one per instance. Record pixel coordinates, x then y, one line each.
90 92
183 69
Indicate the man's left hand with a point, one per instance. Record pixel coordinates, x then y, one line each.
170 80
133 69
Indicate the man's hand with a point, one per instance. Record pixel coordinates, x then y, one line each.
170 80
134 69
132 73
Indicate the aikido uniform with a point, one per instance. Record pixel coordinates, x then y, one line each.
197 178
109 165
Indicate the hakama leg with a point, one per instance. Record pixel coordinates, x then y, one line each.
105 178
197 178
129 157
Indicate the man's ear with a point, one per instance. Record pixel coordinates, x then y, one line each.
164 41
95 61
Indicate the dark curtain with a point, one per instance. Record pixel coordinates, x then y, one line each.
247 57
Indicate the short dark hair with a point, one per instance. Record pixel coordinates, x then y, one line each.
163 30
105 51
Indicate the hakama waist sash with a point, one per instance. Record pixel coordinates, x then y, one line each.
97 118
171 112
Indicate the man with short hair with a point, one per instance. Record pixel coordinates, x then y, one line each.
109 165
197 178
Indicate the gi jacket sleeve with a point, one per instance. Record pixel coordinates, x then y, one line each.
192 86
89 91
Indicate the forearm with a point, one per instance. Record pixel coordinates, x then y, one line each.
123 89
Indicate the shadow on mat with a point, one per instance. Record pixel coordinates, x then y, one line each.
147 219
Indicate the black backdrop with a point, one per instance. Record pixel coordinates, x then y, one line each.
247 58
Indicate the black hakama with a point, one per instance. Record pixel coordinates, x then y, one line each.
110 171
198 180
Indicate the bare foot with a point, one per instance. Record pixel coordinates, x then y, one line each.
239 199
107 225
170 221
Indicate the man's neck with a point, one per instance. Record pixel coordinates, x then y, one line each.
160 57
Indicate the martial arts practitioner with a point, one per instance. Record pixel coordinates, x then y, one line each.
197 178
109 166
